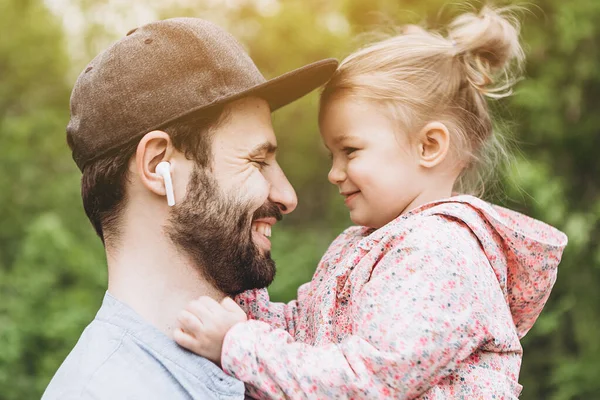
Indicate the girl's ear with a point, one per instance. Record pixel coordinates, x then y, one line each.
433 144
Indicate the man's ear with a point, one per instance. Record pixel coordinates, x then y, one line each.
433 144
155 146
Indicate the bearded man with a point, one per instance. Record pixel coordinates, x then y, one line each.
182 94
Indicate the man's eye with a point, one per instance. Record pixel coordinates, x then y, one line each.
261 164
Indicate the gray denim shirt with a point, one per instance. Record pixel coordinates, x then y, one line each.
120 356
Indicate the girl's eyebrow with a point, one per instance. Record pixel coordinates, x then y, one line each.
339 139
344 137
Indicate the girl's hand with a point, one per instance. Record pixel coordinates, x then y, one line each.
204 323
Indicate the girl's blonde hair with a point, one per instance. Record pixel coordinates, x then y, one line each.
423 76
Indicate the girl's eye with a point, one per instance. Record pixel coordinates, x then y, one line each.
349 150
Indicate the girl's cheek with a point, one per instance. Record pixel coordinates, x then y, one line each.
358 171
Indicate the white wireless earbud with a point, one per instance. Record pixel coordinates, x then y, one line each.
164 169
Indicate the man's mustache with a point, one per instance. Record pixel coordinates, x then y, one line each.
268 210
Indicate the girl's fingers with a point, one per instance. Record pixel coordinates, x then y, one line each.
191 323
211 305
203 306
230 305
184 339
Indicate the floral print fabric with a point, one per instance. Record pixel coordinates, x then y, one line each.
430 306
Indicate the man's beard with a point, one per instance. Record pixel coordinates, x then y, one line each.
214 230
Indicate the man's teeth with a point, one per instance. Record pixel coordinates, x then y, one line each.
262 227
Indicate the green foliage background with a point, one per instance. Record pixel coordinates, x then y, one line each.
52 267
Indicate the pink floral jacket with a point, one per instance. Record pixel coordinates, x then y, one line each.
430 306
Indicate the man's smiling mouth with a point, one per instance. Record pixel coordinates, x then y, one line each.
262 228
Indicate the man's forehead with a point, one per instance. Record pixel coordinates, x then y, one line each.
248 129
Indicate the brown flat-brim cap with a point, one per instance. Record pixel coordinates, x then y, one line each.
164 71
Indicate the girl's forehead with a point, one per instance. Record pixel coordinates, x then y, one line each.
340 114
347 117
345 101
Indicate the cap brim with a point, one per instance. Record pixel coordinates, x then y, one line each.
278 91
295 84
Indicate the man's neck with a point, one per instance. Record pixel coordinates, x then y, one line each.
148 274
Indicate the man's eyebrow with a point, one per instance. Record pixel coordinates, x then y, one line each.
266 147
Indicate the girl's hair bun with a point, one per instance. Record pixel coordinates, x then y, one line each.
489 44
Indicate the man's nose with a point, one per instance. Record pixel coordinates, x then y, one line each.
282 193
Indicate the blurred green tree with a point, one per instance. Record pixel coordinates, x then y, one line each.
52 268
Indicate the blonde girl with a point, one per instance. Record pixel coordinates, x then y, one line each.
429 295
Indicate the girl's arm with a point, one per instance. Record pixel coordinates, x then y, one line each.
425 309
257 306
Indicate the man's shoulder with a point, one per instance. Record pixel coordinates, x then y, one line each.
95 349
109 363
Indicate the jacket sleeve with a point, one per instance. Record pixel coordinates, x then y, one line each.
257 305
420 315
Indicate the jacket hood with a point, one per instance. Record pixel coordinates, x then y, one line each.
531 252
